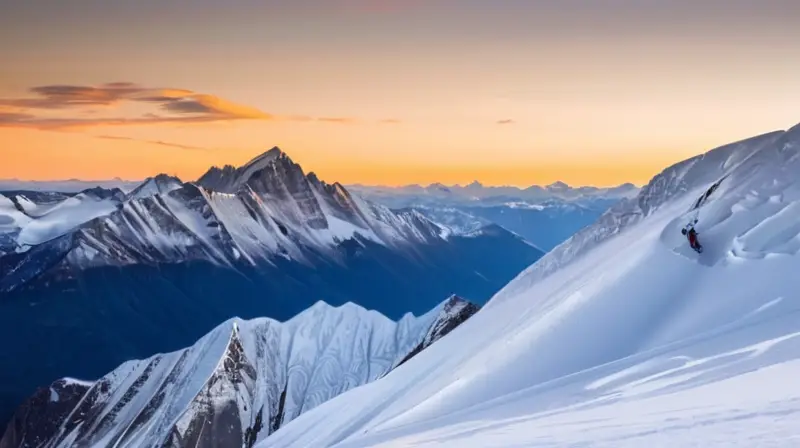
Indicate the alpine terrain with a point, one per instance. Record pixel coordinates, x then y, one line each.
90 280
545 216
235 386
623 336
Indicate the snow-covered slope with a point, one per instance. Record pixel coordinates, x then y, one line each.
236 385
30 218
458 221
623 336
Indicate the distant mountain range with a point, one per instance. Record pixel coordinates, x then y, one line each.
479 194
472 192
67 185
545 216
91 279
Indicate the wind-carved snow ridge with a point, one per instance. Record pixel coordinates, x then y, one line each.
236 385
625 337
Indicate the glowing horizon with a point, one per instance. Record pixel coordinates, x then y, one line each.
391 93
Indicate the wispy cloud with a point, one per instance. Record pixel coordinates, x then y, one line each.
506 121
66 96
13 117
152 142
66 107
340 120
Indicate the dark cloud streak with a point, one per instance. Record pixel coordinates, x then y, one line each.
187 107
178 105
153 142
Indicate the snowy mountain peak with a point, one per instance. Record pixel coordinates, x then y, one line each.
265 158
236 385
558 186
229 179
261 162
159 184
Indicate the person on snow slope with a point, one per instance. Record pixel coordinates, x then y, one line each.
691 234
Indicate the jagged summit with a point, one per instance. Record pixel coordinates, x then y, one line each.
164 178
230 179
264 158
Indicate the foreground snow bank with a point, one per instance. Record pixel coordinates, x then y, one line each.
623 337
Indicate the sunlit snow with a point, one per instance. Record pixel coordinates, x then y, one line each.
623 336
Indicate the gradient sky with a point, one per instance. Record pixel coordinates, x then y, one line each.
511 92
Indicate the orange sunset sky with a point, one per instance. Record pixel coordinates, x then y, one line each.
513 92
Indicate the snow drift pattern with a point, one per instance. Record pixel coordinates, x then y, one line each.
236 385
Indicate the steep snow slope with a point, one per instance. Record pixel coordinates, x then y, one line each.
29 218
623 336
12 220
236 385
457 221
65 216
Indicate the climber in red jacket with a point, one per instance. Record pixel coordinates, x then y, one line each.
691 234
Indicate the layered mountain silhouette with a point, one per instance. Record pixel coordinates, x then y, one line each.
94 279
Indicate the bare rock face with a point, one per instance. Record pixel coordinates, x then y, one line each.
235 386
40 417
455 312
